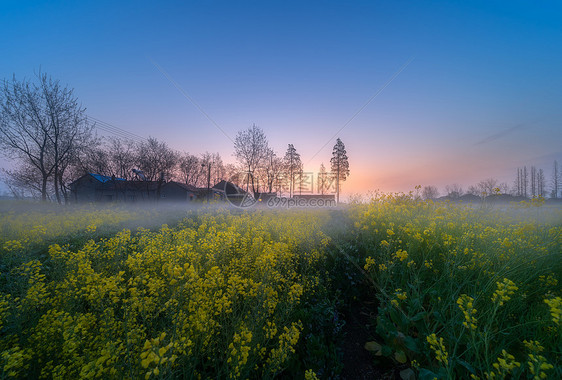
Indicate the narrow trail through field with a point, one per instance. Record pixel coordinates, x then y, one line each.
358 362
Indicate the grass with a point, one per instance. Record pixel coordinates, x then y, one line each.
454 291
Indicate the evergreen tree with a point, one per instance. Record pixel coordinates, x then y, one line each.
340 165
293 166
323 181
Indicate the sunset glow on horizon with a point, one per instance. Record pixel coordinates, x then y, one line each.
420 94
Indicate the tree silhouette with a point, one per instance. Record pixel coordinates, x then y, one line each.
273 168
44 127
555 179
323 181
293 166
340 165
251 149
430 192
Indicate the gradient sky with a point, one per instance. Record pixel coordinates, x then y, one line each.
481 95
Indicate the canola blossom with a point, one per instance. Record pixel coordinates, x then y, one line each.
186 301
482 285
453 291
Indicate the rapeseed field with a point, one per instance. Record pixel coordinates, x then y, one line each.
455 291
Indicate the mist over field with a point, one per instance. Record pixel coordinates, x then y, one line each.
390 285
280 190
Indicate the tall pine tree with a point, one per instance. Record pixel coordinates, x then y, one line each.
322 179
340 165
293 166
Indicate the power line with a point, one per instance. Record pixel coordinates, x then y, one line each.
113 127
115 133
186 95
110 128
99 124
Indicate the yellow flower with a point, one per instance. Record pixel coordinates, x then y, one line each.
538 365
555 305
505 289
466 306
438 346
369 262
310 375
533 346
401 255
503 367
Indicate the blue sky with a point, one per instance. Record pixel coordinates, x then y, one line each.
480 96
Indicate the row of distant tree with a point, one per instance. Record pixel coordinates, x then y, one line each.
265 171
528 183
45 130
48 135
533 182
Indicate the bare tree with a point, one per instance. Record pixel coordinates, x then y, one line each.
43 126
524 181
156 159
273 169
503 188
533 181
24 181
251 149
340 165
212 169
231 172
122 154
474 190
454 191
488 186
540 183
518 188
430 192
189 169
95 159
555 180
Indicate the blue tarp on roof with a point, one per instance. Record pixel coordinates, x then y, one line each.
104 178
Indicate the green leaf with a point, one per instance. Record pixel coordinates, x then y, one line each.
426 374
419 316
374 347
411 344
466 365
386 351
407 374
400 357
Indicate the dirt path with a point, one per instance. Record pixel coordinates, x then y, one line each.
358 362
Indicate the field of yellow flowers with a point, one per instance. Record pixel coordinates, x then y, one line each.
455 291
219 294
464 291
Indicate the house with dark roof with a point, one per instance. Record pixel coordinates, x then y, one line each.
177 191
225 190
99 188
93 187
